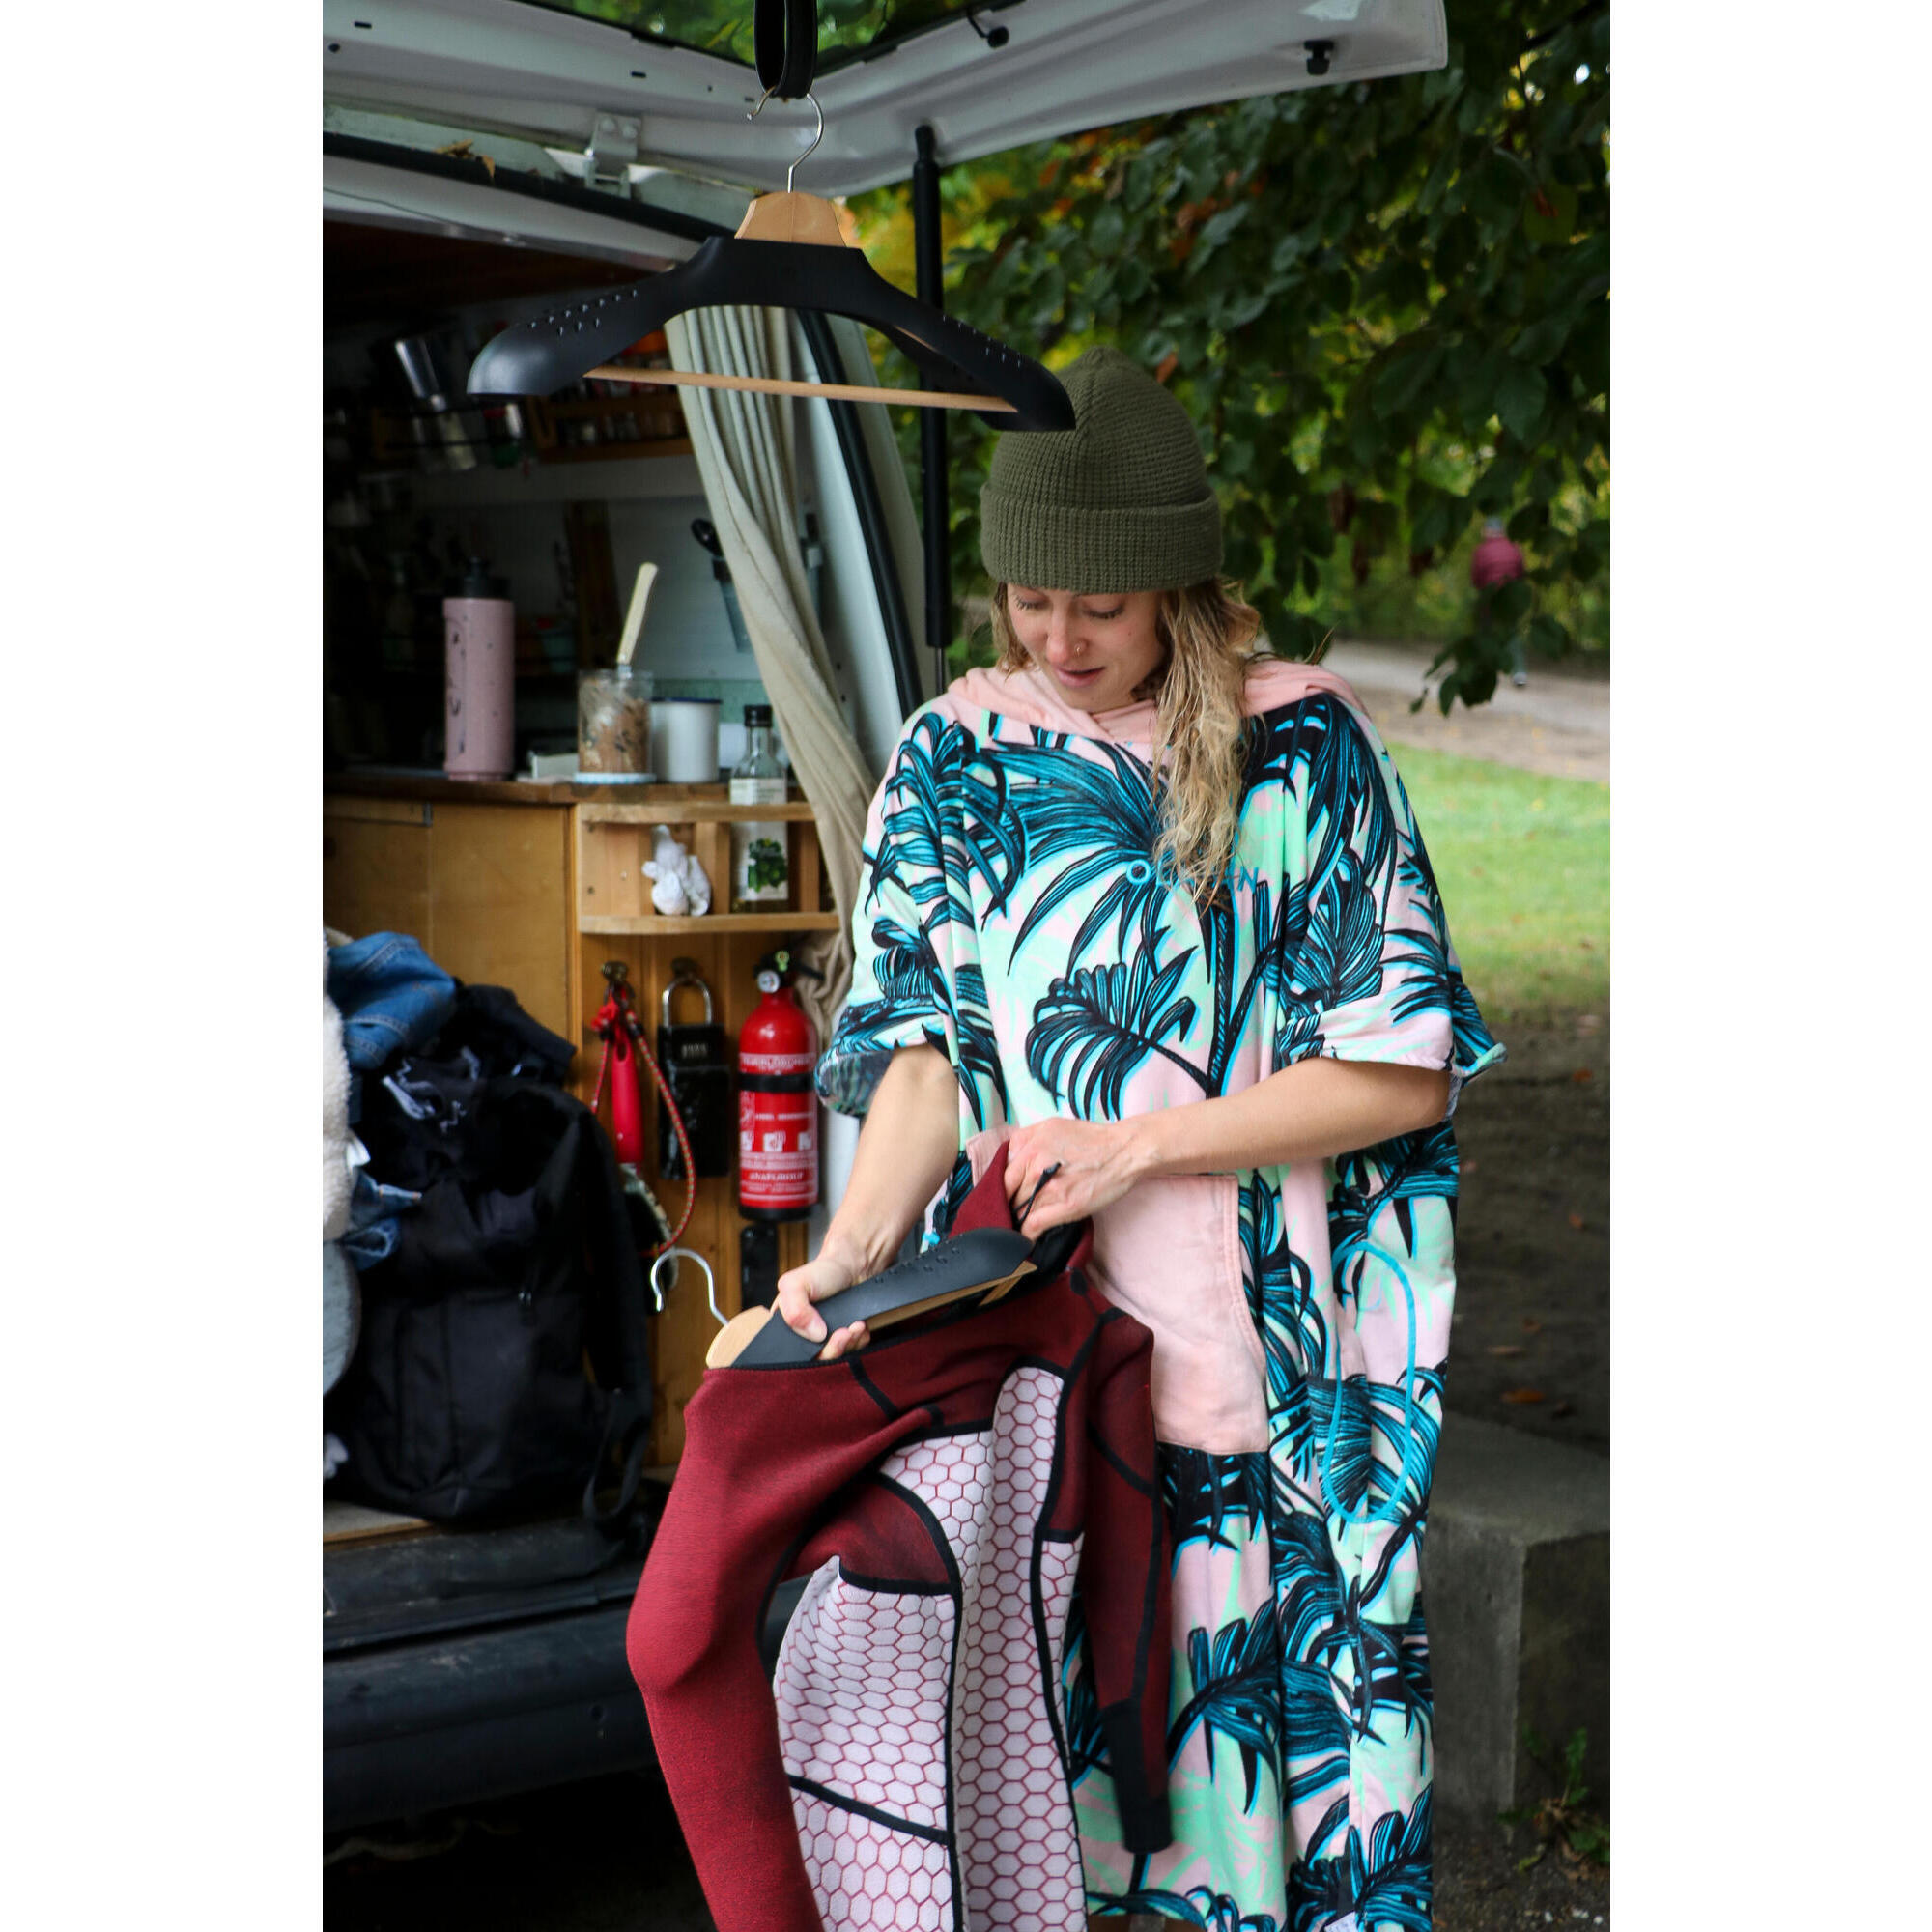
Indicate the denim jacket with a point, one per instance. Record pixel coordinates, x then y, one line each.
391 996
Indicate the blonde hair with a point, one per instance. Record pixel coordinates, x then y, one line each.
1208 633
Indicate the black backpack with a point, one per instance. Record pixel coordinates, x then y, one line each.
466 1398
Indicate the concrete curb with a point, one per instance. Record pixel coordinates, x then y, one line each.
1515 1586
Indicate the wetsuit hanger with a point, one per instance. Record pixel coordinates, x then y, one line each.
788 253
981 1264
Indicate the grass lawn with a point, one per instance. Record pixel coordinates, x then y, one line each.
1524 867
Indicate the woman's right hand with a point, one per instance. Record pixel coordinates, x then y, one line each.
906 1150
798 1288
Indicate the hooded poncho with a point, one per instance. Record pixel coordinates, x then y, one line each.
1012 916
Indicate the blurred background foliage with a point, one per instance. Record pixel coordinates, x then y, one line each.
1385 305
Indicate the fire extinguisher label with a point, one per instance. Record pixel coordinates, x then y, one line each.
777 1149
776 1063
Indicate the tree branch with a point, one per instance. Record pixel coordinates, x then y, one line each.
1563 26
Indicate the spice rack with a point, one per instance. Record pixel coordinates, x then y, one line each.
611 418
602 419
388 441
613 896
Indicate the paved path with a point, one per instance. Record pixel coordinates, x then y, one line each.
1558 724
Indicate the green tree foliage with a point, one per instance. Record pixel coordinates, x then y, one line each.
725 26
1385 305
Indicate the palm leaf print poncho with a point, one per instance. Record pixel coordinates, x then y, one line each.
1013 918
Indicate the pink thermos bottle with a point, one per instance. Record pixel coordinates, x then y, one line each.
479 630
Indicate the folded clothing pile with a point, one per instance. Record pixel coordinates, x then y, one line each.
494 1249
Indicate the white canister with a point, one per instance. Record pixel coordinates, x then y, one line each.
684 740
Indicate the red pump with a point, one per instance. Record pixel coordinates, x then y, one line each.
777 1108
622 1033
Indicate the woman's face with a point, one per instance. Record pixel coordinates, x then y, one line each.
1095 649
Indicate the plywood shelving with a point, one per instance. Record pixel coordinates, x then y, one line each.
613 896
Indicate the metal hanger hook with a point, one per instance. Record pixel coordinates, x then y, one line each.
816 139
673 1254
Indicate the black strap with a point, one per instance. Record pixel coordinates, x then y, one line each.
619 1270
1054 1249
1025 1207
627 1432
785 33
618 1266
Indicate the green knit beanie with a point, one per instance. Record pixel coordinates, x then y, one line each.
1119 501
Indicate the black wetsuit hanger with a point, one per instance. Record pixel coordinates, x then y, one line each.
788 253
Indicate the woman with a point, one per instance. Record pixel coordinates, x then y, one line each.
1222 1010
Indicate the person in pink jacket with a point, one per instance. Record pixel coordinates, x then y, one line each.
1147 908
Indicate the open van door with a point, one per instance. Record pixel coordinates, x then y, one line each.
610 86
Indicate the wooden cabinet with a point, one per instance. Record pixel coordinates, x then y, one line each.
534 887
484 888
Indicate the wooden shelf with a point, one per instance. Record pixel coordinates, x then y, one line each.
668 803
617 452
597 476
624 421
613 896
645 925
671 810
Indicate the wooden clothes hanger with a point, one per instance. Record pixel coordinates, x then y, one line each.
788 253
986 1262
980 1265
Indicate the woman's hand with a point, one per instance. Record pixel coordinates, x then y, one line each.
905 1151
1098 1161
832 1269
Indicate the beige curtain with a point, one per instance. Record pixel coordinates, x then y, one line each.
746 454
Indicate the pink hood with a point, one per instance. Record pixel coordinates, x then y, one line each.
1033 698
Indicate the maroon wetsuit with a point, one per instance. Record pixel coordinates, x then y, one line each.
909 1768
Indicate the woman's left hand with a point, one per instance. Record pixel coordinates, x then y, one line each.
1098 1161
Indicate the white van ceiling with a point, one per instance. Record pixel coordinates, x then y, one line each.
610 96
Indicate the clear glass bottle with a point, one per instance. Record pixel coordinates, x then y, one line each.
760 852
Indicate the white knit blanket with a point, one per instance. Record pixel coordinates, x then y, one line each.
336 1175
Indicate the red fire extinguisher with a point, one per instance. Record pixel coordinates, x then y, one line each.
777 1109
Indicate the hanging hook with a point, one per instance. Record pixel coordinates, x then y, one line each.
816 139
671 1255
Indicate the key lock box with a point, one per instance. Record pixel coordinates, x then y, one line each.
696 1064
